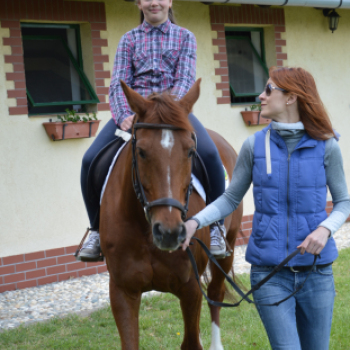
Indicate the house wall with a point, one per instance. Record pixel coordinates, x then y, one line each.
42 213
311 45
42 206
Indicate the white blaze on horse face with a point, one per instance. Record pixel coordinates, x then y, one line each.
167 140
215 338
167 143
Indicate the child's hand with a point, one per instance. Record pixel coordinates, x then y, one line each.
127 123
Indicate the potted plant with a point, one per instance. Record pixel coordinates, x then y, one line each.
253 116
72 126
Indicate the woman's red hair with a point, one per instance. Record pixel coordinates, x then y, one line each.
311 109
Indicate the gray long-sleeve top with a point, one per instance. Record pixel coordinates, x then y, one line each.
242 178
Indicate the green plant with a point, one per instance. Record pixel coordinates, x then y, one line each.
72 116
256 107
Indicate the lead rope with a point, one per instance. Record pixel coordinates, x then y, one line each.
234 285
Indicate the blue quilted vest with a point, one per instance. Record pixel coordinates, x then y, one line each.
290 200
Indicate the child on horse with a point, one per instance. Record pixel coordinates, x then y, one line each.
157 55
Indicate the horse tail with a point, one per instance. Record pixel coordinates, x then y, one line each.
230 296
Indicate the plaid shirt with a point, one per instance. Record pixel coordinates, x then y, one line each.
152 59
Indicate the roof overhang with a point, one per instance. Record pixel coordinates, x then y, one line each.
328 4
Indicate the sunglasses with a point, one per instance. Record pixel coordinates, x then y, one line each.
269 88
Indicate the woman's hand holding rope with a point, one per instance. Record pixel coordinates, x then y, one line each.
315 241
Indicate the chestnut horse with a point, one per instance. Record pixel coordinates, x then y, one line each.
137 248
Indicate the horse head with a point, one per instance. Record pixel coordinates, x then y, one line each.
163 146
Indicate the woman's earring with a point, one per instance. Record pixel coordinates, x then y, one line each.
287 102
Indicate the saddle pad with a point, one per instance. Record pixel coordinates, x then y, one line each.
111 168
196 183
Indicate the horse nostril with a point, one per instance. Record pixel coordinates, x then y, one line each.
181 233
158 231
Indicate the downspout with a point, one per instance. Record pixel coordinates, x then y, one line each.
326 4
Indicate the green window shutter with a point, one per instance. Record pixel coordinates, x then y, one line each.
55 79
36 100
248 72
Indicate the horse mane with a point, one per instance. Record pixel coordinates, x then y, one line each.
166 110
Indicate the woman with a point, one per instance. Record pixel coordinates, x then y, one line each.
291 162
156 56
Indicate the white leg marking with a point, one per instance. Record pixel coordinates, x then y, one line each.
167 142
200 340
215 338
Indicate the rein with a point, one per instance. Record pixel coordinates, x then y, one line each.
138 188
244 296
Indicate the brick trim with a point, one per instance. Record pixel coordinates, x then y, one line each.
221 15
47 266
13 11
56 265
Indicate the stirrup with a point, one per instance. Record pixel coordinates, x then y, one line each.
76 254
223 256
100 258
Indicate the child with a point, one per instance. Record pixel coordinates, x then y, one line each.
157 55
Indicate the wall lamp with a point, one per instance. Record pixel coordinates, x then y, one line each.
333 19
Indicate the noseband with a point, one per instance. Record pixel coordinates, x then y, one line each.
140 193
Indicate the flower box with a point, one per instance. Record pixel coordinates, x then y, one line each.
71 130
254 118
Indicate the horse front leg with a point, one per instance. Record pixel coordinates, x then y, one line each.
191 301
125 308
216 291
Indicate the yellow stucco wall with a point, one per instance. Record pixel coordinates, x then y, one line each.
311 45
41 205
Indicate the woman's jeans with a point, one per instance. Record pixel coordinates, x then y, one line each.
205 147
302 322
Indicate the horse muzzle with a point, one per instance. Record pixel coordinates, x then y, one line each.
168 238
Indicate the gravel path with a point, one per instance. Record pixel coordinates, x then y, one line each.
87 293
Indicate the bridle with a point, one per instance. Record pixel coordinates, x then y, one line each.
135 173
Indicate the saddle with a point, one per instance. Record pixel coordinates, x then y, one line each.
101 163
99 168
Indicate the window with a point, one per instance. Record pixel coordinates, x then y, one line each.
247 68
53 65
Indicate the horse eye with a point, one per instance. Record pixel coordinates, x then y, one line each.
191 152
141 153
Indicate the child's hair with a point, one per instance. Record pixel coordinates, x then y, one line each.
171 15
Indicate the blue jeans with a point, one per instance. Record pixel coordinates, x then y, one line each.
302 322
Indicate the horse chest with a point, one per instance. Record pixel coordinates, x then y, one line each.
170 273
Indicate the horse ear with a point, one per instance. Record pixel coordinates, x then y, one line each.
137 103
191 97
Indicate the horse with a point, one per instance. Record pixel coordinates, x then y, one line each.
137 239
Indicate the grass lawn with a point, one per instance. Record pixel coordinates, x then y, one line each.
161 324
